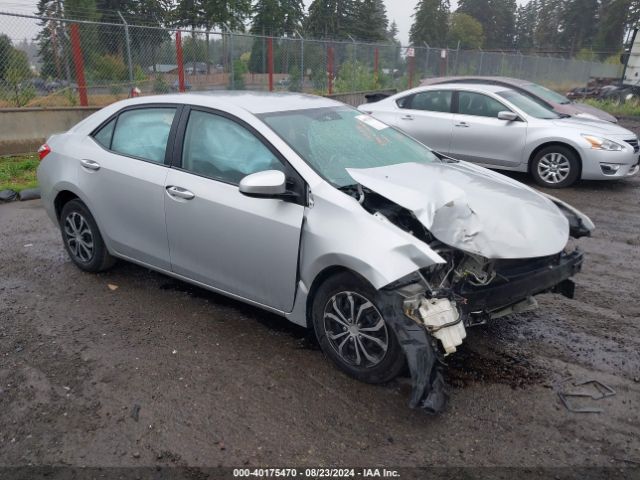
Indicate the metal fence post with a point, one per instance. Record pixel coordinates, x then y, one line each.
426 61
128 40
481 58
353 63
457 55
231 66
270 61
376 64
330 68
412 64
79 63
301 61
180 62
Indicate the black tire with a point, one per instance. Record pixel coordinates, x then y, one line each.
79 230
390 363
542 167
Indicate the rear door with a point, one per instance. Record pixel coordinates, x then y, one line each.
123 175
426 116
479 136
244 246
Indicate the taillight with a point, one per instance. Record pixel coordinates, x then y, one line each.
44 150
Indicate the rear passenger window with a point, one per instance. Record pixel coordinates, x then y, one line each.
103 137
143 133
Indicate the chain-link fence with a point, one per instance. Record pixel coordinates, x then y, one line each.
55 62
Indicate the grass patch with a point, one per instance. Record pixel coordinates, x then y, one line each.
18 173
628 109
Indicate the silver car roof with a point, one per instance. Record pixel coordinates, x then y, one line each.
253 102
480 87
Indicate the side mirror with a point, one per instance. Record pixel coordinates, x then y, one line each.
508 116
267 184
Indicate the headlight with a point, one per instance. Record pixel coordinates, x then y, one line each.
599 143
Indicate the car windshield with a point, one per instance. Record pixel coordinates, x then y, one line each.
333 139
546 94
528 105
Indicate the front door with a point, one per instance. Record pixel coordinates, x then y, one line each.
479 136
244 246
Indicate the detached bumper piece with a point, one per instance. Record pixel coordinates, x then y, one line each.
518 280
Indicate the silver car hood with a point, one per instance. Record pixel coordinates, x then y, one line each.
594 127
472 208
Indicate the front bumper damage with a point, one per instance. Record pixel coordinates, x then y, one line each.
433 322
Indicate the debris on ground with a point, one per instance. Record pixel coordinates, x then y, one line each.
135 411
601 391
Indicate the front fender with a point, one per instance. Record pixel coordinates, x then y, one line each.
341 233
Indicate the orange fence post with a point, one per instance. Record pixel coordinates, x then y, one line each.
180 61
270 62
79 63
412 64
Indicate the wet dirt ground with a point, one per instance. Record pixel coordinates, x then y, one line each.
156 372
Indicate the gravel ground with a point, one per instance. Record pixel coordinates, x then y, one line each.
156 372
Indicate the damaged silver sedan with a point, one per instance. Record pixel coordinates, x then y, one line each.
308 208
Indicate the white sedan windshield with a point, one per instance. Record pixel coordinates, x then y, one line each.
333 139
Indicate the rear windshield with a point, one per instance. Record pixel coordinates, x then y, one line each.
546 94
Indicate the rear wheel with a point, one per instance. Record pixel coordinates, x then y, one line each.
352 331
82 239
555 167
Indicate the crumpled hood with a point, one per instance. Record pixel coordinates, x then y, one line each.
472 208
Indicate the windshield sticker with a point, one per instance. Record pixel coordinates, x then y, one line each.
372 122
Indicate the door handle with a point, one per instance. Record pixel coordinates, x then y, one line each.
407 117
90 164
180 193
463 125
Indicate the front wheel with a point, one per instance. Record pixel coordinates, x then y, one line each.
352 331
555 167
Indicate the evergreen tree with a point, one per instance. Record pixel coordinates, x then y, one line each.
547 29
392 33
616 16
274 18
579 20
431 20
371 21
497 17
331 18
526 21
51 41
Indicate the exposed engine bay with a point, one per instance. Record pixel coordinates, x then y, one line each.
466 290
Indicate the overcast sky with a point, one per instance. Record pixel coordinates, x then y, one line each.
398 10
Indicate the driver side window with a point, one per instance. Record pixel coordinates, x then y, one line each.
219 148
471 103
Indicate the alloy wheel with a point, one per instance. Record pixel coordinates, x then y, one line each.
356 329
554 167
79 237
